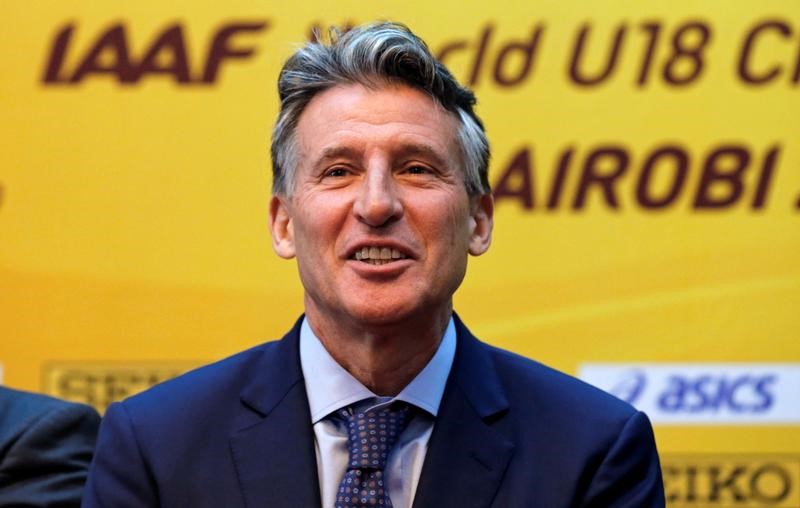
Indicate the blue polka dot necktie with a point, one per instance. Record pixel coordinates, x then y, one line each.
371 436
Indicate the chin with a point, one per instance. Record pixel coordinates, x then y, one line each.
377 313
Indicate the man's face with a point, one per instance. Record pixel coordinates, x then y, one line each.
379 218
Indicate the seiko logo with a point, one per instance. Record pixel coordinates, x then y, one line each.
99 384
731 480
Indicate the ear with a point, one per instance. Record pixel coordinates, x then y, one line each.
281 227
482 222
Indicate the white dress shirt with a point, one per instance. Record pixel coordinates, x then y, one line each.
330 387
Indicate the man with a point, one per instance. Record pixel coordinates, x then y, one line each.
46 445
379 395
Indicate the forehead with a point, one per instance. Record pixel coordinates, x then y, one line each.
393 118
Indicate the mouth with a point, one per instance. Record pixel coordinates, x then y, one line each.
374 255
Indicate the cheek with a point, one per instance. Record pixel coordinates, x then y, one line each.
447 226
459 222
317 222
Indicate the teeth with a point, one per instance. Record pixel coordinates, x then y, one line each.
378 255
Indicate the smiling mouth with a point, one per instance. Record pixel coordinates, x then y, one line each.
378 255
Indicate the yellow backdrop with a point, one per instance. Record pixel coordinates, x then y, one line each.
646 163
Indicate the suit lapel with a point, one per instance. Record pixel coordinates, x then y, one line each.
274 450
466 457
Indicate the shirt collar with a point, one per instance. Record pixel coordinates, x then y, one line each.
330 387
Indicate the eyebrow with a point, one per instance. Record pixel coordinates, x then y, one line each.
333 153
421 150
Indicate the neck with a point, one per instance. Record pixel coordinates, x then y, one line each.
384 357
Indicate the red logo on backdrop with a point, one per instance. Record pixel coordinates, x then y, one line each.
166 54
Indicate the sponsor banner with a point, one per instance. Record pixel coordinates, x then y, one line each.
704 393
644 163
100 384
726 481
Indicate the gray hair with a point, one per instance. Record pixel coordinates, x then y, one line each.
373 55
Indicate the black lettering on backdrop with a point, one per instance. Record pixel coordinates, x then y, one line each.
512 62
221 47
680 165
101 384
688 47
761 68
581 77
770 474
728 176
516 181
675 52
765 178
559 178
603 179
110 54
683 65
723 481
171 43
723 171
112 41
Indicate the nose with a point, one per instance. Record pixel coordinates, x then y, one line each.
378 202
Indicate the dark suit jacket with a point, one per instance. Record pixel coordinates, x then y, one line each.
46 445
510 433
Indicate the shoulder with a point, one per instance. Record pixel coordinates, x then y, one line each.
30 403
190 417
24 415
185 424
211 386
598 449
46 445
546 389
535 393
262 368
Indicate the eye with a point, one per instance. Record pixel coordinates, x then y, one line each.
336 172
418 170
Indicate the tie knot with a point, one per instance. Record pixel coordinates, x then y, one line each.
372 434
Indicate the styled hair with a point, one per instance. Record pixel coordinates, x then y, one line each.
373 55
